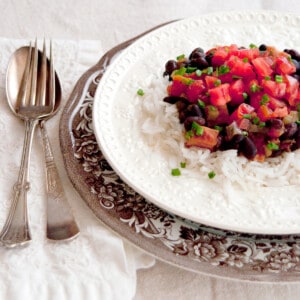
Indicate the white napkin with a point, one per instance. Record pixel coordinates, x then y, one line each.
96 265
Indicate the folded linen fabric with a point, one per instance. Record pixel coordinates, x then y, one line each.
96 265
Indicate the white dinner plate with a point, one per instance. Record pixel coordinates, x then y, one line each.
232 200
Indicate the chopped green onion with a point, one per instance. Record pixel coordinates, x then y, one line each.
180 57
210 70
183 165
236 77
175 172
264 99
201 104
217 82
247 116
189 134
190 70
140 92
245 59
187 81
212 108
223 70
251 46
211 174
254 88
278 78
180 71
245 96
262 124
219 128
198 73
256 120
267 78
272 146
199 129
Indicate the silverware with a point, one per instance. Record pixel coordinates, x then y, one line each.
60 221
31 105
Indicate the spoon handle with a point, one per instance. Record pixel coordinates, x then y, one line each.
61 224
16 229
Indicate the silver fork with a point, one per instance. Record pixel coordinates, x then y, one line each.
32 105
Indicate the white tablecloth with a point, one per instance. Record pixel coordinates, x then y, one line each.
88 268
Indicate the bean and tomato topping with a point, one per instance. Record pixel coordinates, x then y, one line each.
232 97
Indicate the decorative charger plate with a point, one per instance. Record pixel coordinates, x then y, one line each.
229 201
178 241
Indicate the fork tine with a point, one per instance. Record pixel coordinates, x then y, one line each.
33 76
43 78
51 79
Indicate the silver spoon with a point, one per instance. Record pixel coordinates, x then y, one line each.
61 224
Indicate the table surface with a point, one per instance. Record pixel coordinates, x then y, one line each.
112 22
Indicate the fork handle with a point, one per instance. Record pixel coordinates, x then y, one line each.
61 224
16 229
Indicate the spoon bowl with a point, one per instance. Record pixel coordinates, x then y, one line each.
15 72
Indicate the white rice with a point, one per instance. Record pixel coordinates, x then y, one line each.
162 132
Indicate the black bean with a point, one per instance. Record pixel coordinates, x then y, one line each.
189 121
274 123
208 57
290 130
194 110
293 53
276 153
173 99
296 145
182 104
182 116
196 53
262 47
200 63
297 65
170 66
247 148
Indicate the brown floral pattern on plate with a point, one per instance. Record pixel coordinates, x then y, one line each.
178 241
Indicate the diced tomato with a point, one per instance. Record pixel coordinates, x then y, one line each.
217 115
274 132
255 100
273 88
242 109
284 65
226 78
292 87
220 56
253 86
264 113
240 68
263 66
178 85
211 81
177 88
194 90
219 95
274 103
243 124
207 140
250 54
280 112
236 91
